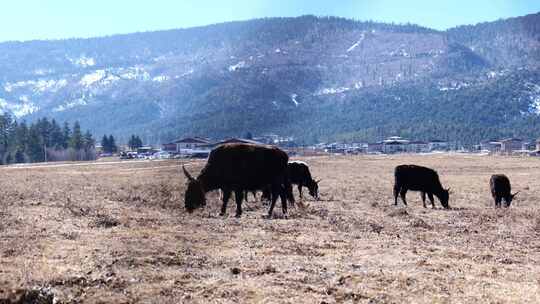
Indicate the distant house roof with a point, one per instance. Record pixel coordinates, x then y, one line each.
238 140
418 142
191 140
487 141
437 141
232 140
511 139
394 142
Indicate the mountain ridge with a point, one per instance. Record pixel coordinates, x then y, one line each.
235 77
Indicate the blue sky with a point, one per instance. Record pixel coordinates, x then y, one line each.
56 19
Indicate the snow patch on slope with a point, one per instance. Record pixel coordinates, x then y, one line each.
83 61
293 98
81 101
362 37
160 78
239 65
534 96
331 91
18 109
89 79
37 86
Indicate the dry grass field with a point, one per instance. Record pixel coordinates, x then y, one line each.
117 233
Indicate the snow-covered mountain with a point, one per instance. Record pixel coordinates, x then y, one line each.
286 75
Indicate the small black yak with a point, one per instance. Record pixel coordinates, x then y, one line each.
299 175
240 167
418 178
500 189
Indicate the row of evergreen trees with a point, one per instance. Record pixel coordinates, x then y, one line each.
108 143
43 140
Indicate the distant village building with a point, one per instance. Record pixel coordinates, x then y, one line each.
418 146
340 148
236 140
491 146
538 144
395 144
375 147
530 146
438 145
188 143
390 147
510 145
146 150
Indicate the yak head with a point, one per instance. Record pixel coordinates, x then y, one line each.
194 197
444 197
509 199
313 187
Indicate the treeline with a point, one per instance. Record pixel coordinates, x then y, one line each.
43 140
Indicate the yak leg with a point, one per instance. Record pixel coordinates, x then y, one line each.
267 194
283 197
300 190
254 192
226 196
498 200
289 193
423 195
276 189
430 195
239 198
396 193
402 193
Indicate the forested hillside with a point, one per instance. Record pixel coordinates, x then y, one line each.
313 78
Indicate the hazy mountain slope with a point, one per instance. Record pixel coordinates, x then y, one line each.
506 43
314 78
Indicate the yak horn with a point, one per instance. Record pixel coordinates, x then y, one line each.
186 173
318 181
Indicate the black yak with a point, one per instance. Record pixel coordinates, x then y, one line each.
299 175
240 167
500 189
418 178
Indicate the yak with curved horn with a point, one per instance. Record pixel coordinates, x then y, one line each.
239 167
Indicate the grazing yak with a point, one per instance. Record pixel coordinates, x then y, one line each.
240 167
500 189
418 178
299 175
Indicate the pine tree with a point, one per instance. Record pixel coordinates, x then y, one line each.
105 145
66 135
35 147
19 156
76 141
57 136
6 124
112 144
21 137
134 142
88 141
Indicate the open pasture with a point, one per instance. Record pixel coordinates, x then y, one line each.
118 233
